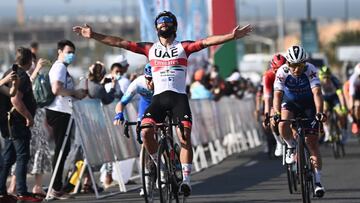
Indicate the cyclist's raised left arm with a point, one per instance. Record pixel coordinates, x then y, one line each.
237 33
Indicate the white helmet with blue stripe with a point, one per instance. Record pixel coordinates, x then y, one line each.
147 70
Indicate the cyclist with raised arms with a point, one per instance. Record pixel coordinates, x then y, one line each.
334 100
168 59
268 82
295 84
142 85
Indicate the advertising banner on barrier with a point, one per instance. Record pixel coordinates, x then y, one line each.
103 142
124 147
212 122
91 126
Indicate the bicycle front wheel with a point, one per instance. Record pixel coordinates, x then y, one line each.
303 171
148 176
163 171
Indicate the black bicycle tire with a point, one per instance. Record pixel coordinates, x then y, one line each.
302 170
289 178
295 181
309 175
143 165
161 151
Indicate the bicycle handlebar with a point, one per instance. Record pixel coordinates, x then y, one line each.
138 130
157 125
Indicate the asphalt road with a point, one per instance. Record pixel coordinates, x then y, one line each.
252 177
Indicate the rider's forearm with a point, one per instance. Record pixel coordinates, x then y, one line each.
217 39
277 101
267 105
319 102
109 40
119 107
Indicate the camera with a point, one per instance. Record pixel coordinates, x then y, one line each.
107 80
14 67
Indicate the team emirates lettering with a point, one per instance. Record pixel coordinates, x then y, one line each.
172 62
173 53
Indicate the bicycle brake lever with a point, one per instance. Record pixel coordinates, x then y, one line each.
138 133
126 130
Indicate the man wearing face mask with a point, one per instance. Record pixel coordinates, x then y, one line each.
169 59
118 72
58 113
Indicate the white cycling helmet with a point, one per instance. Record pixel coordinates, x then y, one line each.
296 54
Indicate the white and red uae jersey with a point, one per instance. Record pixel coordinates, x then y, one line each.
169 64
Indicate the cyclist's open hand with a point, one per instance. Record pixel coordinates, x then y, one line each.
85 31
119 118
240 32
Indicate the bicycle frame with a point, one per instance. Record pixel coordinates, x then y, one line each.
167 157
304 166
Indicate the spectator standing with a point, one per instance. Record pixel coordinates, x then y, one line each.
94 84
198 89
118 71
40 160
17 144
39 145
58 113
6 92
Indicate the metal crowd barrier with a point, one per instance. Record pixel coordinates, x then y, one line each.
219 129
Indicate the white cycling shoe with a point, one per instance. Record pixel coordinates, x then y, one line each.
278 150
290 156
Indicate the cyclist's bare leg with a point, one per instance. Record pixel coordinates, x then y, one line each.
275 130
284 128
186 153
150 143
315 156
326 124
341 122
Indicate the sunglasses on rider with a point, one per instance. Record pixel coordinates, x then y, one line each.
296 65
164 19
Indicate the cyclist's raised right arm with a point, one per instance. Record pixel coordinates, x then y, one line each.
87 32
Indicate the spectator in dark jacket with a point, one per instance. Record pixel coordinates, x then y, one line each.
17 144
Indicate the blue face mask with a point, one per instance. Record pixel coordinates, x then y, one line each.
69 58
117 77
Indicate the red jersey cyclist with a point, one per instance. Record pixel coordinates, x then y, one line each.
168 59
268 90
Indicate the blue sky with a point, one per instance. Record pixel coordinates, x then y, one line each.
252 8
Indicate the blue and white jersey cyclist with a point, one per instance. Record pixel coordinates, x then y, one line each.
142 85
297 92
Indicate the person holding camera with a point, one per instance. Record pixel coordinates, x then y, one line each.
22 107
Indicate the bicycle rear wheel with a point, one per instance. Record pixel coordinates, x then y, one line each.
148 176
